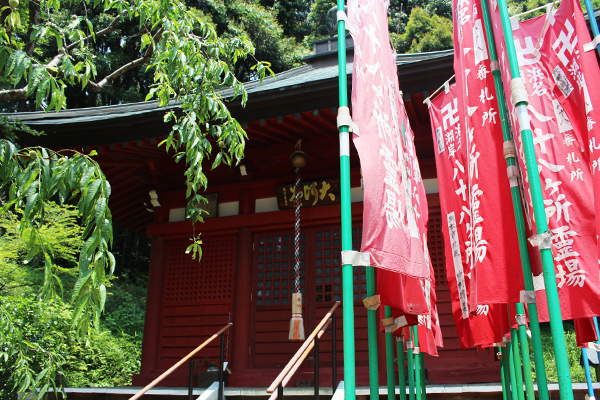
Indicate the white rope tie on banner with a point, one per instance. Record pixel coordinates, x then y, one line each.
518 91
355 258
591 45
513 175
521 319
527 297
543 240
444 85
344 119
514 22
594 346
495 65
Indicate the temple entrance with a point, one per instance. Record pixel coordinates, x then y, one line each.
320 284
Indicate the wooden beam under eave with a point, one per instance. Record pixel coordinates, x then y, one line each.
326 128
285 123
284 129
124 214
328 116
291 123
412 115
314 132
141 226
134 218
420 109
258 131
274 130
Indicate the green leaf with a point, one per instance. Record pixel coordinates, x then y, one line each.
81 282
80 306
146 40
31 201
91 194
100 208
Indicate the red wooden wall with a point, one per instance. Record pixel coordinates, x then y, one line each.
246 275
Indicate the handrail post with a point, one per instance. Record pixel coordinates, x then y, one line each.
178 363
333 353
221 366
191 380
316 366
280 391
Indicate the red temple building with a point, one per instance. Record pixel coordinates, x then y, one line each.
245 275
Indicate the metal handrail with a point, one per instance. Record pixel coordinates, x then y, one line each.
179 363
291 367
305 354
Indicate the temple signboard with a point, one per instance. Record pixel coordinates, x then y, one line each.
320 192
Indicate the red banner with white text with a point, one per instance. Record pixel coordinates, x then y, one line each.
490 321
564 173
492 253
390 221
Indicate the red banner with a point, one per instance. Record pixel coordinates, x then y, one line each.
492 250
565 176
390 222
490 321
570 59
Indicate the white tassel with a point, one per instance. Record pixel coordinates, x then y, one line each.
296 328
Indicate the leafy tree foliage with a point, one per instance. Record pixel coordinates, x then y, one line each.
322 23
291 15
274 42
424 32
189 64
53 355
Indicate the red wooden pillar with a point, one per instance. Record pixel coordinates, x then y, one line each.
247 201
242 303
153 305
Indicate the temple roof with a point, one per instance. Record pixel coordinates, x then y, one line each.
301 89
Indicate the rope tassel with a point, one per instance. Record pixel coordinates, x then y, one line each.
296 323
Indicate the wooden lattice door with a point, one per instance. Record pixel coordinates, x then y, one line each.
320 284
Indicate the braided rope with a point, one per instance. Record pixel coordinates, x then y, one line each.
297 233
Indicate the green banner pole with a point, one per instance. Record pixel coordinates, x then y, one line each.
522 332
401 368
389 359
411 369
503 374
423 382
347 290
372 334
517 363
534 324
511 372
417 355
505 363
520 99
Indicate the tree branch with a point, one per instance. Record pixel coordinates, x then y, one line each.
109 29
34 19
109 79
13 94
21 93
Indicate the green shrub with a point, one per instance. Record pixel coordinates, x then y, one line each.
573 354
102 359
